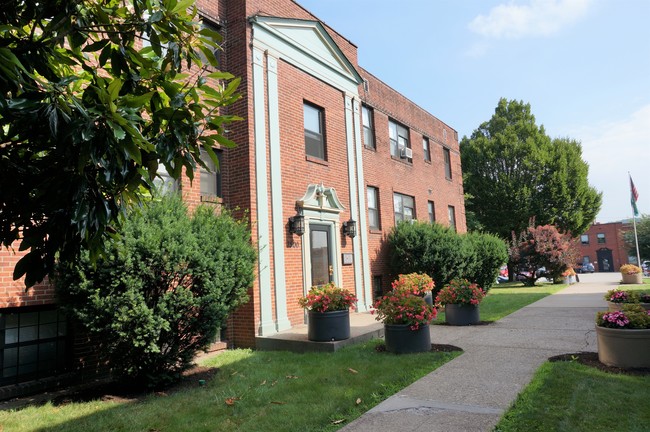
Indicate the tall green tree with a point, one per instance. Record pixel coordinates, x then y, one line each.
94 96
514 171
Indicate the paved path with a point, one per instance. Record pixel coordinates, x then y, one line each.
471 392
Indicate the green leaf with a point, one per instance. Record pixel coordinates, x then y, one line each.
114 88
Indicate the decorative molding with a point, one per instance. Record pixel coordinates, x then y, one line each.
320 198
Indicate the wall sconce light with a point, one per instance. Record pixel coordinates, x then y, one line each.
350 228
297 224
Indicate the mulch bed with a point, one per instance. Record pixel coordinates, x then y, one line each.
591 359
434 348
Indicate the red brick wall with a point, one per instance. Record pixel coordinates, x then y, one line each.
614 232
13 292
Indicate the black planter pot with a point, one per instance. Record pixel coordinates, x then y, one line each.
400 339
461 314
328 326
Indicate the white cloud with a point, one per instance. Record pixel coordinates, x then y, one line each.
536 18
612 149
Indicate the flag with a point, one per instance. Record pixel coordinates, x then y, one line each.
634 197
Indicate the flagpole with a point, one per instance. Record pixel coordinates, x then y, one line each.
636 242
634 196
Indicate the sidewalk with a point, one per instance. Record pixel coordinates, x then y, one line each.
471 392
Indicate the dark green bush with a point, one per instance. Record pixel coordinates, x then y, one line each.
163 290
490 253
444 254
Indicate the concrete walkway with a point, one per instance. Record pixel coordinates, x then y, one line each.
471 392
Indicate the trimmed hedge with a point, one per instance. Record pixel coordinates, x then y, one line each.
444 254
163 290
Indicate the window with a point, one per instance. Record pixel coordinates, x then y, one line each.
207 24
368 130
373 208
377 290
399 138
425 147
211 180
447 158
432 211
33 343
404 207
601 238
314 131
584 239
164 182
452 217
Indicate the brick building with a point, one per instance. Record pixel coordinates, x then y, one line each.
325 147
603 245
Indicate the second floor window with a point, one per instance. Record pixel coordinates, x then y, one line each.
601 238
447 159
373 208
314 131
404 207
368 130
584 239
427 150
399 138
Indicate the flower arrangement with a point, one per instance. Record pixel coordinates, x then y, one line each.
620 296
327 298
460 291
630 317
402 307
418 284
630 269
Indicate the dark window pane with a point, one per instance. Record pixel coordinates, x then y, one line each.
28 333
46 331
10 357
11 336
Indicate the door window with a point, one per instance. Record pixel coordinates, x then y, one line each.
321 266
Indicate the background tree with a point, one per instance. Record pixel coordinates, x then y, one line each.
163 290
643 235
93 100
542 247
514 171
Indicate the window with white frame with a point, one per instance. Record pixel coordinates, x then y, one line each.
452 217
404 207
373 208
314 131
447 158
368 128
399 138
211 179
601 238
426 148
164 182
584 239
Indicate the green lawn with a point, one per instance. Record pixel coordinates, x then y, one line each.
504 299
253 391
567 396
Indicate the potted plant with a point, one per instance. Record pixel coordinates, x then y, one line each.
617 297
328 310
419 284
569 276
406 319
624 337
461 300
631 274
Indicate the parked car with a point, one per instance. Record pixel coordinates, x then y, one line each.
584 268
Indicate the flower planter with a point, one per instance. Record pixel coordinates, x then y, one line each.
428 298
400 339
461 314
636 278
328 326
625 348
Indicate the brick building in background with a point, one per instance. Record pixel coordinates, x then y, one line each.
603 245
324 146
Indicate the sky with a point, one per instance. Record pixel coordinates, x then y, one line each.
582 65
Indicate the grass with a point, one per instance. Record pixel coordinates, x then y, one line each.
504 299
568 396
254 391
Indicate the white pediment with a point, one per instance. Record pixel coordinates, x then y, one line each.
304 43
320 198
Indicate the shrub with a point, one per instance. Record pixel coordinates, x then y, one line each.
489 252
163 289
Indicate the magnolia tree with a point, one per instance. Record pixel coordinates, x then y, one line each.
96 96
541 247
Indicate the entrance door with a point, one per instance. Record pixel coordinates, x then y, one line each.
605 261
321 265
